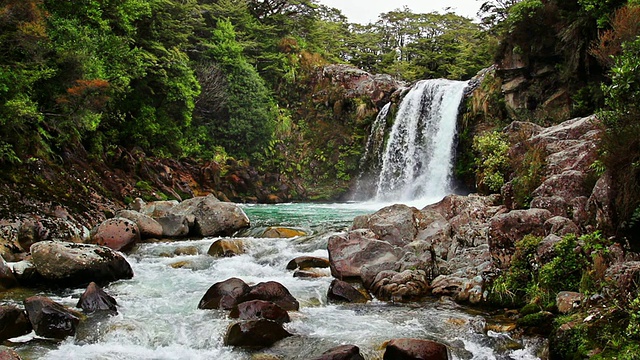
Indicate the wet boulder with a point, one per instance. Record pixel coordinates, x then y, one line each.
279 232
213 217
400 286
310 274
259 309
13 322
7 278
50 319
307 262
95 299
8 354
255 333
174 225
350 253
343 352
26 273
226 248
274 292
342 291
75 264
224 295
413 349
117 234
149 228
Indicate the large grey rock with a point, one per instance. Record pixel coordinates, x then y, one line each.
50 319
74 264
116 233
219 218
149 228
174 225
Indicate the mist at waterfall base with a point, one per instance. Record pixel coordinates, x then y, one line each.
158 316
411 161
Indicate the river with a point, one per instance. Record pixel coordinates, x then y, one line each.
158 316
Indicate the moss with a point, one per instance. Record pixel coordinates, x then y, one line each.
529 309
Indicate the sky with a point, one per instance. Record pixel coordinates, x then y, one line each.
366 11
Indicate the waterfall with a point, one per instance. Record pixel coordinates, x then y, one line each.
417 161
371 160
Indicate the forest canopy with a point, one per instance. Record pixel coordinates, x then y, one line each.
195 77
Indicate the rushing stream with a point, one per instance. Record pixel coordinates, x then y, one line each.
158 316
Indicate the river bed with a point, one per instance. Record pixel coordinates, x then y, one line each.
158 316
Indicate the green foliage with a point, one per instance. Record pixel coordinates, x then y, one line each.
564 272
528 175
491 160
527 281
511 288
620 143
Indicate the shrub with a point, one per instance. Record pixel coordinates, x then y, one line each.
491 161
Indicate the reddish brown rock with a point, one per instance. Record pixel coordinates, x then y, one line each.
306 262
95 299
116 234
8 354
274 292
415 349
255 333
623 279
50 319
13 322
350 253
224 295
397 224
506 229
561 226
568 301
259 309
341 291
343 352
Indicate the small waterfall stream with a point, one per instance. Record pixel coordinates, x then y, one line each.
417 161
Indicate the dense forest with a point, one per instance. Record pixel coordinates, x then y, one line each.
230 79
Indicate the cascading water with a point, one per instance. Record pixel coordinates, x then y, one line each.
372 158
418 158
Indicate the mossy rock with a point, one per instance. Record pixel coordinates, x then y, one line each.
540 323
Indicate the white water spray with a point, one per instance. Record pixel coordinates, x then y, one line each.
418 159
